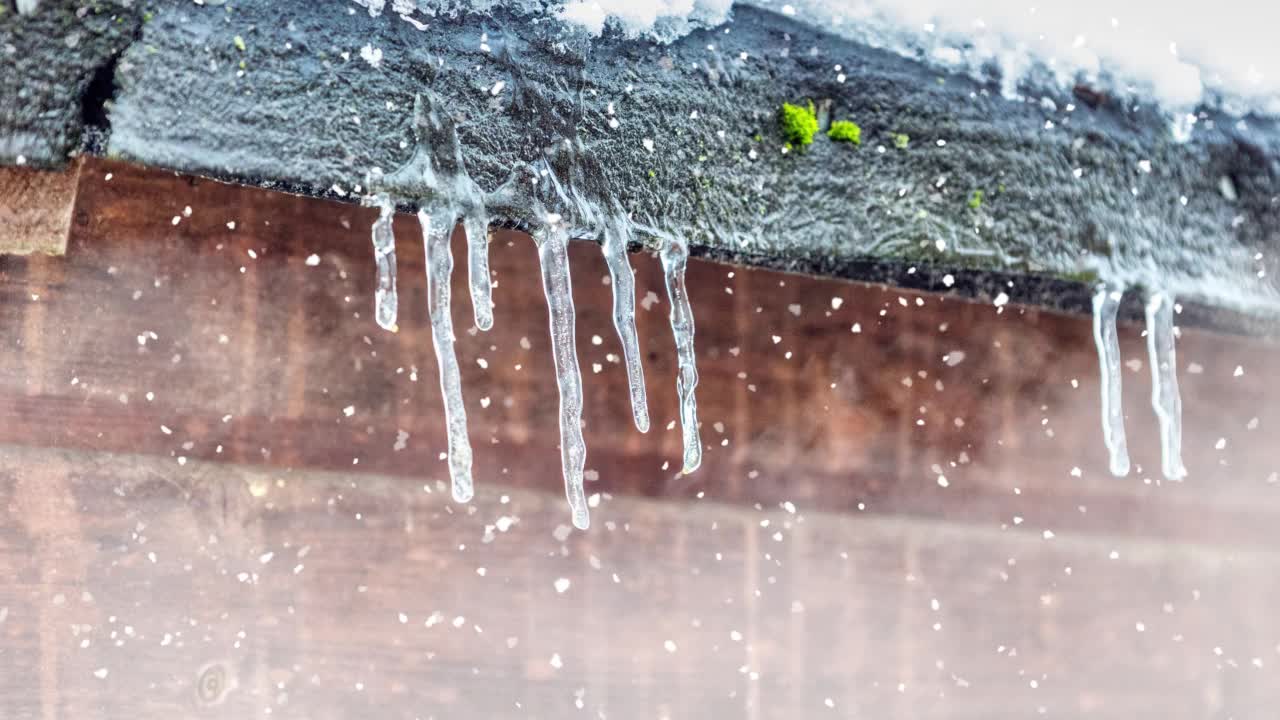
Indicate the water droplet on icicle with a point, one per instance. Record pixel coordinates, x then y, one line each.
1165 398
384 255
1106 303
674 255
436 231
624 316
552 240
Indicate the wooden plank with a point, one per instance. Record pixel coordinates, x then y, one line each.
173 434
36 209
256 359
225 591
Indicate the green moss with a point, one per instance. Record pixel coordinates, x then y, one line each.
900 140
798 124
845 131
975 199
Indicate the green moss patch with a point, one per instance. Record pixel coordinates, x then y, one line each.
845 131
799 124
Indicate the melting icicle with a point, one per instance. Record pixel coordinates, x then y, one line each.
476 225
552 241
436 170
1164 383
1106 303
624 318
384 254
674 254
435 240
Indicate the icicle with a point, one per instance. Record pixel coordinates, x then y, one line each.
476 225
552 241
435 240
624 319
674 254
436 170
1164 383
384 255
1106 303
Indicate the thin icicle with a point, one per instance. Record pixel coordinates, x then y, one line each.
552 241
477 228
435 240
624 319
384 255
1106 303
674 254
1164 383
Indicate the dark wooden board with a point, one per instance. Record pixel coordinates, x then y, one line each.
261 357
244 448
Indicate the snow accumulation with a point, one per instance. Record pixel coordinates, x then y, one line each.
1178 53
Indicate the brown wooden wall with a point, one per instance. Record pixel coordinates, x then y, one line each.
189 508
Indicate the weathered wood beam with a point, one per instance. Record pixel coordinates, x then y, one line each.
58 62
276 93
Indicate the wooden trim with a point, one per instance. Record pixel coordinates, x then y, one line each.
36 209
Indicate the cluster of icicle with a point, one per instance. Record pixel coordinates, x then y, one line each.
553 198
1165 399
546 198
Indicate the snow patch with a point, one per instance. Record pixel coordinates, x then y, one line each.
1178 54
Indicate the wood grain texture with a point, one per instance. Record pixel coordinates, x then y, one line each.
233 590
189 505
35 209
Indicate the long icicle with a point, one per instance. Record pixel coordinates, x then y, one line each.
624 319
1106 303
674 255
1165 398
552 241
385 301
476 226
435 240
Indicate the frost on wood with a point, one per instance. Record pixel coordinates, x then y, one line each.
1106 303
384 256
1165 398
624 316
552 241
675 254
436 231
